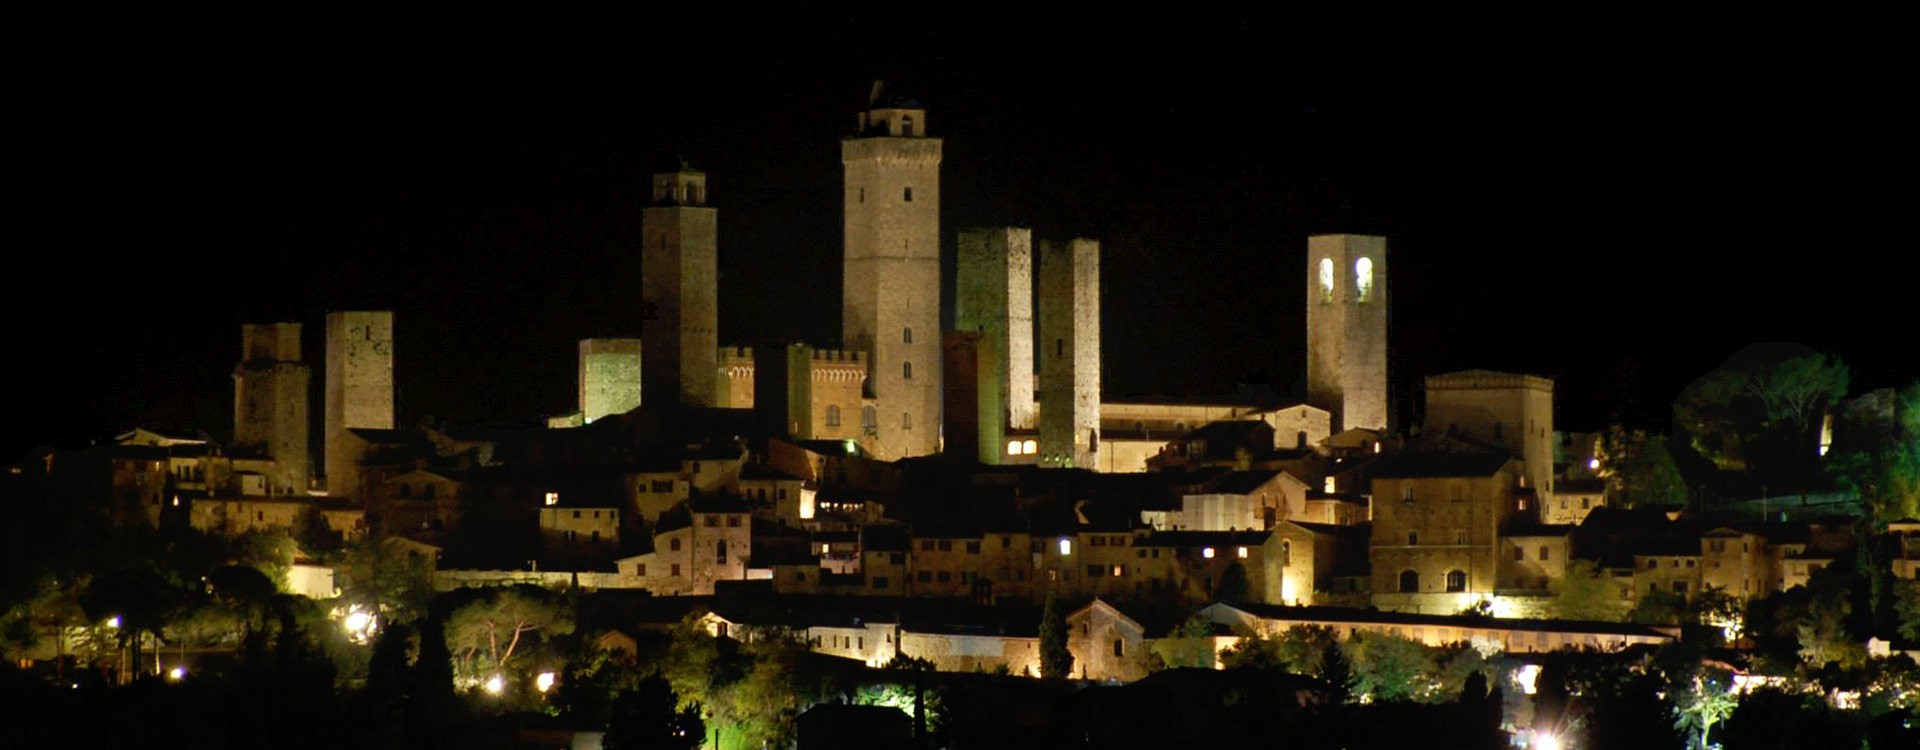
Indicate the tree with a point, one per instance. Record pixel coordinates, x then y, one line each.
395 584
1189 645
1701 702
1907 606
1763 406
1587 594
1640 470
1298 650
1823 633
1056 660
486 632
1391 668
649 716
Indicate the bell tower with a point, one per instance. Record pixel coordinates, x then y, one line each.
680 343
891 298
1347 329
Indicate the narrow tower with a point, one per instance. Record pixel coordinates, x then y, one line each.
270 404
1347 329
359 390
891 297
1070 353
994 298
681 342
609 377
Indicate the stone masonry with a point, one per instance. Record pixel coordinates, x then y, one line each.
680 280
1347 329
270 404
1070 353
359 389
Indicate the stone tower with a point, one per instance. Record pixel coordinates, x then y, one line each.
359 390
680 280
994 298
1347 329
270 404
1070 353
609 377
891 298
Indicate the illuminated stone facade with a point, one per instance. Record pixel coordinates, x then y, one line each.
1437 520
1496 410
359 390
609 377
839 410
680 280
1070 356
1347 329
891 302
994 298
270 404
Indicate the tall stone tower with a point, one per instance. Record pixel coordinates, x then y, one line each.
681 342
609 377
994 298
359 390
1070 353
1347 329
891 299
270 404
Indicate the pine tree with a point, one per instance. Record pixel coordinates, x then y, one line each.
1055 659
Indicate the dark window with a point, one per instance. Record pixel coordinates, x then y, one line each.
1519 553
925 576
1409 582
576 514
1413 538
1119 647
1545 553
943 577
946 545
1456 581
908 195
973 548
733 522
674 546
906 335
833 417
879 582
712 521
897 558
906 370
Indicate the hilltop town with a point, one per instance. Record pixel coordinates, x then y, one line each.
972 501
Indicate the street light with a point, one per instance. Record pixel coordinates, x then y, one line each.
1543 740
495 685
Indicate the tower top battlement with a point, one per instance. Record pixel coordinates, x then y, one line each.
687 187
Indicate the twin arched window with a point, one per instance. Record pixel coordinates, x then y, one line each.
1456 581
1409 582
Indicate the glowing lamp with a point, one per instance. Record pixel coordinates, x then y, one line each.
543 682
495 685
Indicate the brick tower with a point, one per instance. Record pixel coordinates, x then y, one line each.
359 390
1070 353
1347 329
891 298
270 404
681 342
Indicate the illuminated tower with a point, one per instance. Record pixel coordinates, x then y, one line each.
994 298
270 404
609 377
1347 329
1070 353
681 342
359 390
891 302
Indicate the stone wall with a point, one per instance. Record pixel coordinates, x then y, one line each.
1347 329
1070 352
680 282
609 377
891 293
994 298
360 357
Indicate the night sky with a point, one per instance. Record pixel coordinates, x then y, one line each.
1617 207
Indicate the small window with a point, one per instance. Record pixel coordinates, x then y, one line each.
674 546
906 370
944 576
869 417
1456 581
1119 647
880 582
906 335
1406 492
733 522
711 521
1546 553
908 195
1363 279
973 548
1519 554
676 570
906 420
833 416
1413 538
863 195
576 514
1059 347
1409 582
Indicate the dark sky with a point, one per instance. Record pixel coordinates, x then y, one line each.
1601 203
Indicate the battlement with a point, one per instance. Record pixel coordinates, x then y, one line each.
1487 379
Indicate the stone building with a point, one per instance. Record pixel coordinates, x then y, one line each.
994 298
609 377
1499 411
836 378
891 302
359 390
270 405
1070 353
1438 520
1347 329
680 279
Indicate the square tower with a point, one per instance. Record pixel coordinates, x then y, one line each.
994 298
359 390
680 280
609 377
1070 353
891 294
1347 329
270 404
1504 411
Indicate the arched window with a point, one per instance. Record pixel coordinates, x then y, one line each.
1029 447
1013 447
1326 279
1300 439
868 418
906 370
906 124
906 420
908 196
833 416
863 195
1409 582
906 335
1286 552
1363 279
1413 538
1456 581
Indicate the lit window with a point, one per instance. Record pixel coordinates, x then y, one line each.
1326 279
1363 278
1066 546
1329 485
1241 553
1013 447
553 498
1029 447
1206 552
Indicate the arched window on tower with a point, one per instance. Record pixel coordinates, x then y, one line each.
906 370
908 195
1326 279
868 418
906 126
906 335
1456 581
1363 279
833 416
1409 582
